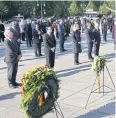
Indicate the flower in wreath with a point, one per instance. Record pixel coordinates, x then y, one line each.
39 87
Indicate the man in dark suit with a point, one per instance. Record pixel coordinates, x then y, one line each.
61 33
28 34
76 43
97 38
37 39
104 29
50 46
12 56
90 40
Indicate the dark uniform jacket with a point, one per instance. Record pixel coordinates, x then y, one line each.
12 50
76 41
89 35
97 36
49 42
28 31
37 38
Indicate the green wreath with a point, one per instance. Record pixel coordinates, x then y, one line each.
40 91
99 63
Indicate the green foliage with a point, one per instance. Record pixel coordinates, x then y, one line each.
61 9
3 9
103 9
73 9
111 4
91 5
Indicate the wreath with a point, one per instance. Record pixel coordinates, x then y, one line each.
39 91
98 66
99 63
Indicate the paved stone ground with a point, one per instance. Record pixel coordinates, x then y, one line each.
75 86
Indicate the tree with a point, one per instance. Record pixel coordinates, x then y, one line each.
103 8
60 9
3 9
91 6
73 9
111 5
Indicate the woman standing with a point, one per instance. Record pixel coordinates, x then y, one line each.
37 39
76 43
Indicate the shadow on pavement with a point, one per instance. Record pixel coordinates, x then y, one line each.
110 56
9 96
72 71
106 110
6 67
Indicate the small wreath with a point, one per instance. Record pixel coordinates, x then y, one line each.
40 91
99 63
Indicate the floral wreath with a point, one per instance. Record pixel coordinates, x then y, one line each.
98 66
39 91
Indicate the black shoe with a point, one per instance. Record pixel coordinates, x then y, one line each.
77 63
64 50
91 59
17 84
41 55
12 86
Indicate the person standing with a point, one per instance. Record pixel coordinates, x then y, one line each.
50 46
16 31
104 29
90 40
37 39
76 43
28 34
2 28
61 33
22 29
55 30
97 38
12 57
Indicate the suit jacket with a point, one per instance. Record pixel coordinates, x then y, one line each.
89 35
61 29
37 38
104 27
12 50
49 42
28 31
76 41
97 36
